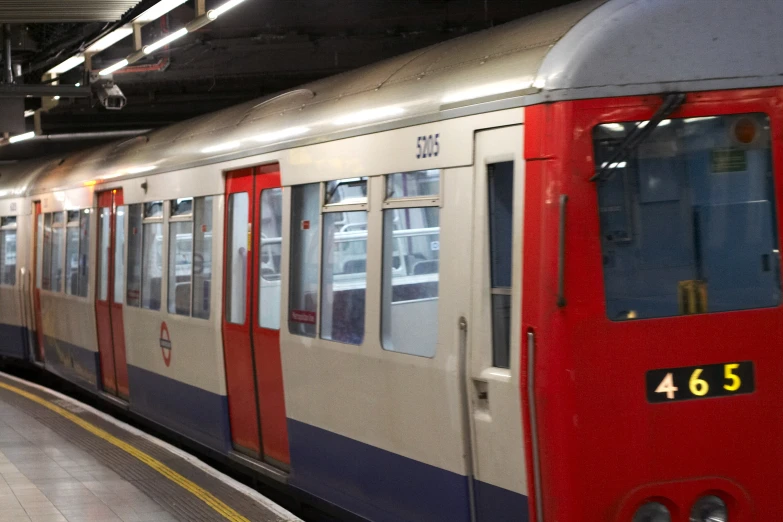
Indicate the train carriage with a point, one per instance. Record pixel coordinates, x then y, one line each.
529 274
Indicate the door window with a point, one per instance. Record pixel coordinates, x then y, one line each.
501 240
119 253
236 271
269 259
104 239
688 218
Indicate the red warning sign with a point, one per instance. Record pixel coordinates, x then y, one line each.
165 343
302 316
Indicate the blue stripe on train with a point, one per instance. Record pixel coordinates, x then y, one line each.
71 362
194 412
384 486
12 341
188 410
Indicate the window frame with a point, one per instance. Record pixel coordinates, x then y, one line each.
400 203
152 220
6 225
632 114
55 225
186 217
71 225
333 208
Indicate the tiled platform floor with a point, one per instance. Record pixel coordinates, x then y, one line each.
45 477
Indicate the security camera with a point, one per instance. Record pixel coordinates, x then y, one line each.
109 95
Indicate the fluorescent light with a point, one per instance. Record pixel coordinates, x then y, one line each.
281 134
116 67
67 65
110 39
139 170
148 49
157 10
482 91
614 165
29 113
21 137
225 7
368 115
231 145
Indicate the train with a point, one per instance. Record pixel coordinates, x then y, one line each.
527 274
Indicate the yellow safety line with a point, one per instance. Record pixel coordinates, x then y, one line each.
202 494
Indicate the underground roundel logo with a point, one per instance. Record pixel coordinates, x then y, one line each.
165 343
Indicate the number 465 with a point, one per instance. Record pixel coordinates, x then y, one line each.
698 386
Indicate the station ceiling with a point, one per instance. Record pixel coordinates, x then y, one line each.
259 47
58 11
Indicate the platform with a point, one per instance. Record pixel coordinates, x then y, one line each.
61 461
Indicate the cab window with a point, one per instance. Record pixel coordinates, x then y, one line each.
687 217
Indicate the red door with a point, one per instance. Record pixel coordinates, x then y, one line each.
38 240
251 317
108 296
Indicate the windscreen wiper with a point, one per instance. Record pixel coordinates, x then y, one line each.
639 134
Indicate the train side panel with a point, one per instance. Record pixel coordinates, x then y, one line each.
175 361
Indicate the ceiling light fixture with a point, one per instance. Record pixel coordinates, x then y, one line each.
149 49
110 39
116 67
67 65
21 137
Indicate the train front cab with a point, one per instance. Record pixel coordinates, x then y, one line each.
656 322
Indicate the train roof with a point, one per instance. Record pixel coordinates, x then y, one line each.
592 48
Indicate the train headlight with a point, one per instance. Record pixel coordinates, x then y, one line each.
709 509
652 512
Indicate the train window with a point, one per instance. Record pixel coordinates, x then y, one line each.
152 256
119 252
58 244
180 256
501 206
238 245
344 265
269 259
133 279
202 257
411 268
77 251
305 237
8 251
84 252
190 257
40 250
104 240
346 191
72 253
421 183
687 217
181 207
